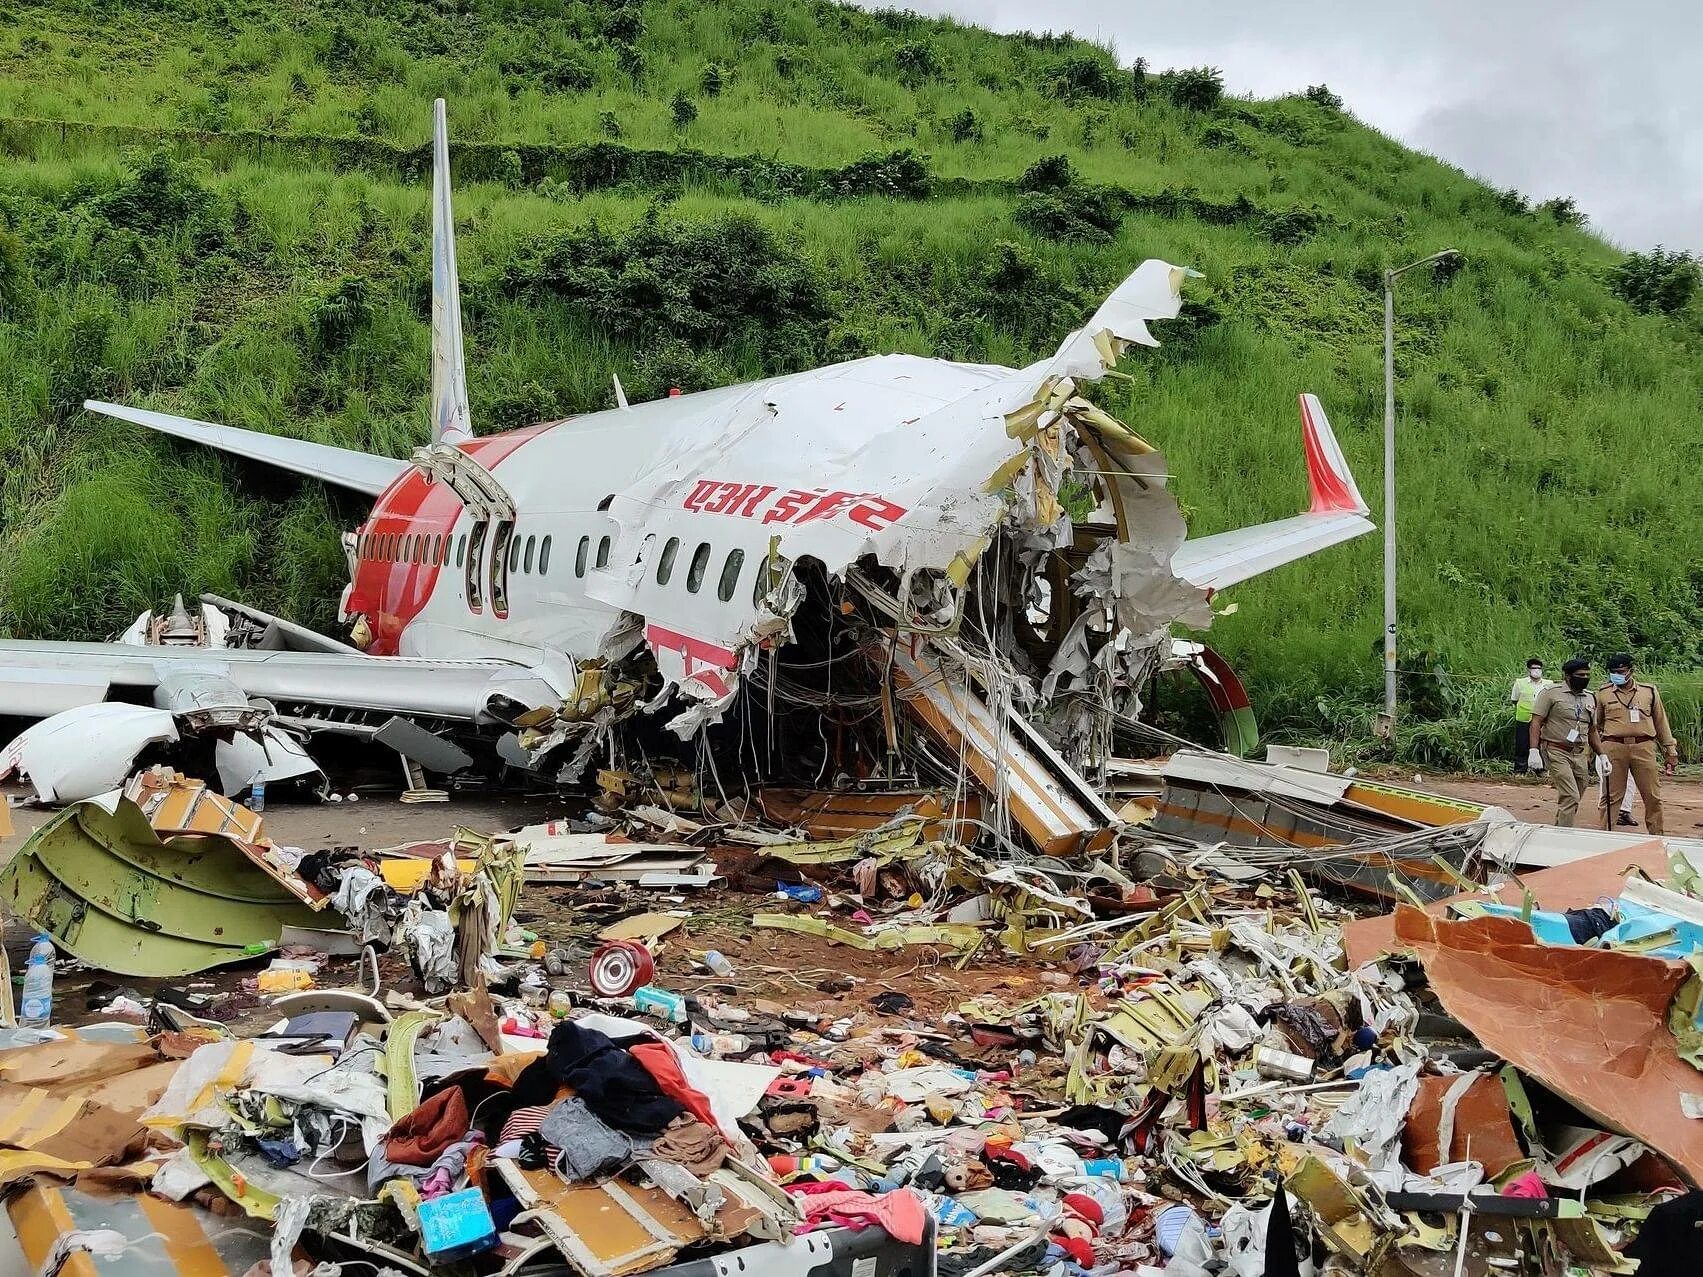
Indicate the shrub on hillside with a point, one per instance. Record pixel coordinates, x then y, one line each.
162 194
1294 225
707 283
1049 173
1088 76
682 110
1320 95
1194 89
1078 213
899 174
916 60
965 126
1657 282
1563 210
334 319
713 80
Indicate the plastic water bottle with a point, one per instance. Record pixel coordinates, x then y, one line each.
257 796
36 1010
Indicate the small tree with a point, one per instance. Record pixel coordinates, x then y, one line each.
916 60
966 127
1050 173
1139 81
713 80
1657 282
608 125
683 110
1195 89
1563 210
1320 95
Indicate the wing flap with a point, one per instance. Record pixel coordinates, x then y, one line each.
344 467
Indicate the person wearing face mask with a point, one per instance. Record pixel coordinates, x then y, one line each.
1562 737
1633 724
1522 696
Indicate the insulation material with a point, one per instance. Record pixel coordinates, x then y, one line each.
1590 1024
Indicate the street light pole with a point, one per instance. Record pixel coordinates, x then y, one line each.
1387 725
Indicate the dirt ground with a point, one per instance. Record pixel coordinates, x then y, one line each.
1682 797
773 971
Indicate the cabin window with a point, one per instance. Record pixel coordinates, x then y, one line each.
582 555
700 562
514 555
730 575
543 556
461 549
531 546
603 553
438 556
407 547
665 565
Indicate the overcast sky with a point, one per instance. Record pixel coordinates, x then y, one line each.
1600 101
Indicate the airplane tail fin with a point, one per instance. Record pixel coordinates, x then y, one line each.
452 422
1336 513
1328 476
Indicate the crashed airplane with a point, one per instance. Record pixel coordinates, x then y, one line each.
862 549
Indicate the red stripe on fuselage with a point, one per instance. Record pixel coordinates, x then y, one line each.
391 594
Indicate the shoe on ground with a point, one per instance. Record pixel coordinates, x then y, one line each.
1626 819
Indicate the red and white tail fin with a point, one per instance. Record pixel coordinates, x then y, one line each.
1337 513
1332 482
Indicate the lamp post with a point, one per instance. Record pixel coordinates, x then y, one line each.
1387 724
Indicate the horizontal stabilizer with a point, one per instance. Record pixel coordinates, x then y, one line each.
1336 513
357 471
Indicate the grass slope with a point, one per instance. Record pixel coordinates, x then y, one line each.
218 208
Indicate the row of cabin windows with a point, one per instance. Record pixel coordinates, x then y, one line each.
529 553
731 567
525 554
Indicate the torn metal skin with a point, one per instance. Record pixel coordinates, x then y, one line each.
1590 1024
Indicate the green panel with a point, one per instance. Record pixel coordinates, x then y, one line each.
111 894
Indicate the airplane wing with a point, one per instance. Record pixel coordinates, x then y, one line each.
42 678
1337 513
345 467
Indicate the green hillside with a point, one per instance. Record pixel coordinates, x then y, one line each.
219 208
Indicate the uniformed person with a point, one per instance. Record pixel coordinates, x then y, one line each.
1563 738
1633 724
1522 696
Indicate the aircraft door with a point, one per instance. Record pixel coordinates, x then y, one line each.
500 556
473 567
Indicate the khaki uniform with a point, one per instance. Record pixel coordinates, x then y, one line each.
1633 724
1565 740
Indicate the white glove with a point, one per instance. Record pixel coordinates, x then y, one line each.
1534 760
1603 768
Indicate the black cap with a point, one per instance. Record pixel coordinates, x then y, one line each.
1620 661
1577 665
1534 660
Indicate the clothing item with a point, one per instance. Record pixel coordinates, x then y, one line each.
1522 743
693 1144
614 1085
1567 716
589 1148
523 1121
900 1213
663 1065
418 1138
449 1165
1585 925
1666 1245
1640 761
1634 713
1570 776
1524 695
